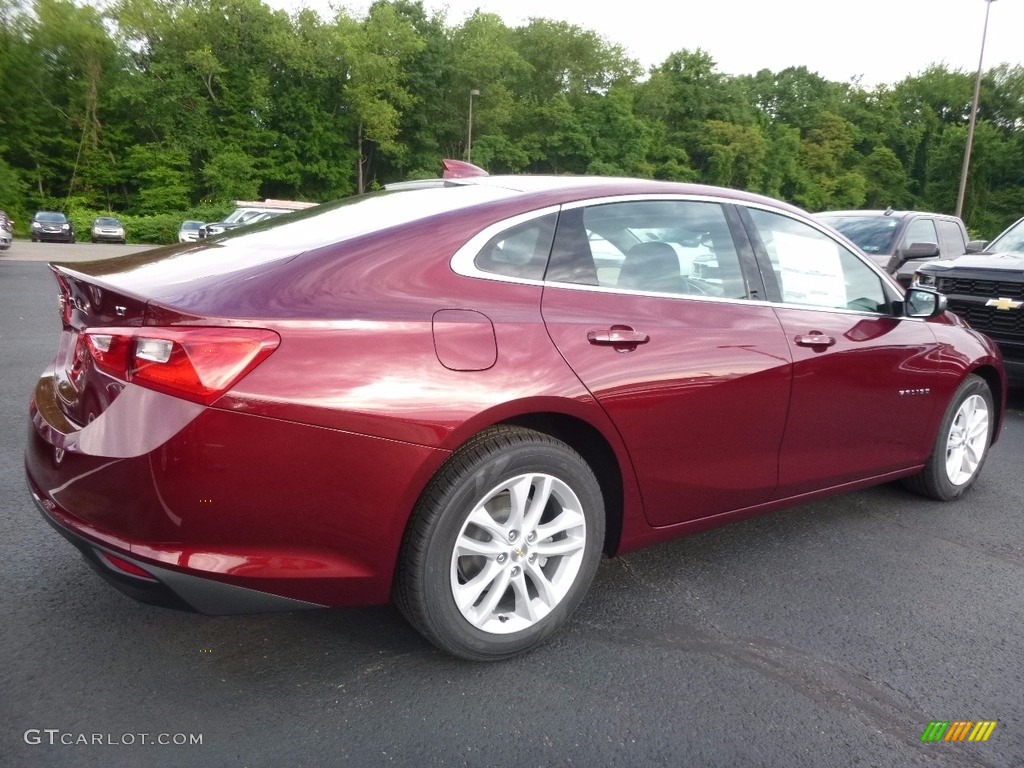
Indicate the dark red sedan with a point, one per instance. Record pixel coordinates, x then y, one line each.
459 396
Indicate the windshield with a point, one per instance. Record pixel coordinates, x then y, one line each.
57 218
872 234
1011 240
104 222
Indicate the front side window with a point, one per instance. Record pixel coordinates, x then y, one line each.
920 231
813 269
678 247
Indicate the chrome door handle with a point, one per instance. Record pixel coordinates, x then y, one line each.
617 336
815 339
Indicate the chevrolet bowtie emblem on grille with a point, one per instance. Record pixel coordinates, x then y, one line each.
1001 303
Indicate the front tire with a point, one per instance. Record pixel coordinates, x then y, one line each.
962 444
502 546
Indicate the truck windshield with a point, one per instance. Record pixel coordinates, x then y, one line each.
1011 240
872 234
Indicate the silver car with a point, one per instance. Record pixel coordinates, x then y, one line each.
6 231
106 229
189 231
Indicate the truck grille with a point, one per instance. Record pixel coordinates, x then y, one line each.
997 323
986 289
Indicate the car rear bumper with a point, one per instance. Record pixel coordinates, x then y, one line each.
223 511
163 587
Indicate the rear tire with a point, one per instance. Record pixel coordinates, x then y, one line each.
962 444
502 546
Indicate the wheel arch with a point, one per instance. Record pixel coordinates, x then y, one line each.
591 444
997 386
575 427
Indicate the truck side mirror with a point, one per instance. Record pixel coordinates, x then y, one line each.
910 253
976 246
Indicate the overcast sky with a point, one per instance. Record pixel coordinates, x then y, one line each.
879 41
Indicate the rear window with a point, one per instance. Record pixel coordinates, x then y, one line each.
355 216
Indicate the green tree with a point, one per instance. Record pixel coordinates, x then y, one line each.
376 51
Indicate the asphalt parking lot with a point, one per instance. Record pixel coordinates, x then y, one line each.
831 634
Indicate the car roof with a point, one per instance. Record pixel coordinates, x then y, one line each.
567 188
888 213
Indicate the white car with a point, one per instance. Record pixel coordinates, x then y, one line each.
189 231
6 231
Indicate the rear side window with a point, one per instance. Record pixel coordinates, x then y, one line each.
952 238
521 251
679 247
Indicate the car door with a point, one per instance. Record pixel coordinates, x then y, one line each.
862 375
694 373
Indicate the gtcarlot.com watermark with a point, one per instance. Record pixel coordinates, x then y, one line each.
56 737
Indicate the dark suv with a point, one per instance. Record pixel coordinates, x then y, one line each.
900 241
987 290
50 225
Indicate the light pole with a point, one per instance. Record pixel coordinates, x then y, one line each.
469 131
973 118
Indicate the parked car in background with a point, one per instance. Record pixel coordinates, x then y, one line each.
1011 240
220 227
249 212
51 226
900 241
106 229
189 231
473 409
987 290
6 231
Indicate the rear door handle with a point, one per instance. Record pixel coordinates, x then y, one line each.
617 335
815 339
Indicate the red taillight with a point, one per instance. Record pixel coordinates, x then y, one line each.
197 364
110 352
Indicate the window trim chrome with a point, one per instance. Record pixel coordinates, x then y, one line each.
463 260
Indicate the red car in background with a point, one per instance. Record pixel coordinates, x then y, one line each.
458 396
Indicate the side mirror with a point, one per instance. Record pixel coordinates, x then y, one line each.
912 252
923 303
976 246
